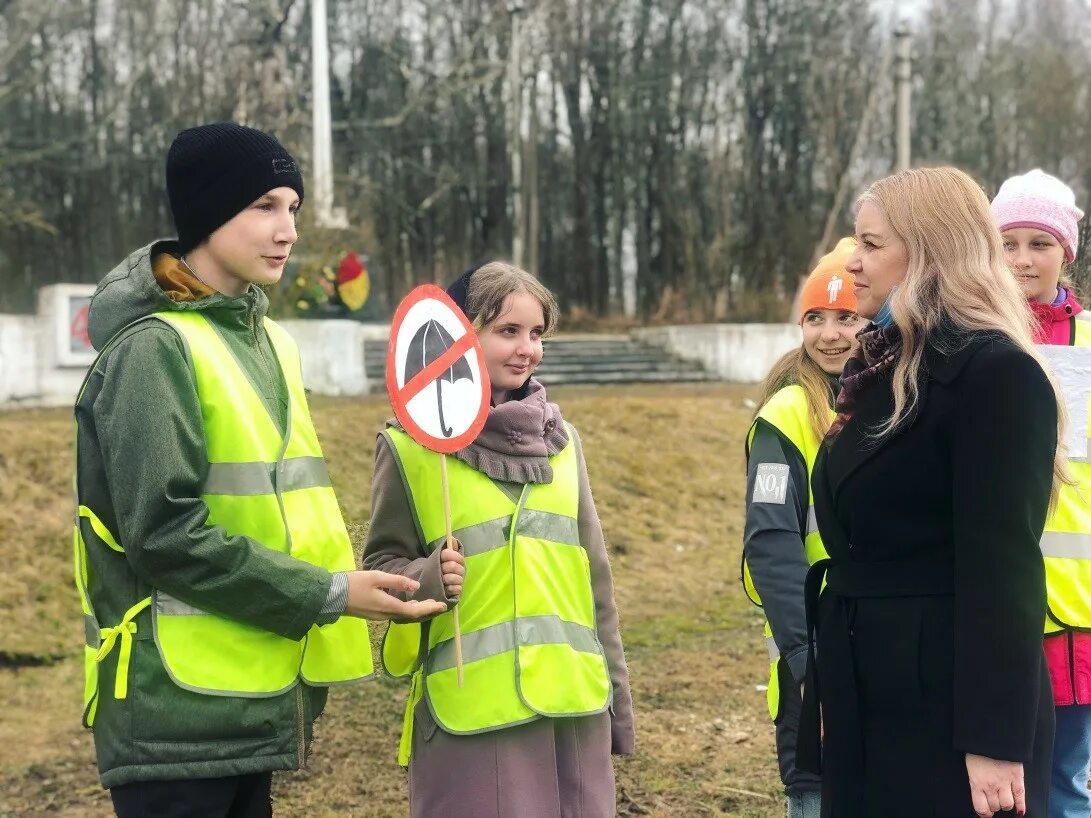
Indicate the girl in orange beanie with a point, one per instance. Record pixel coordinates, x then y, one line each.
781 540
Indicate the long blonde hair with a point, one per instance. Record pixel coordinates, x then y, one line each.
798 368
958 275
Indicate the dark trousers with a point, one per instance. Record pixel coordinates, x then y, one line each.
796 781
240 796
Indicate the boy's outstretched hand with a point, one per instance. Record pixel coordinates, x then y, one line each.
368 597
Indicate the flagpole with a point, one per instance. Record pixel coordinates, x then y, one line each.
450 542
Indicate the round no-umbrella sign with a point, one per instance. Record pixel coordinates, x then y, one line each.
435 371
439 387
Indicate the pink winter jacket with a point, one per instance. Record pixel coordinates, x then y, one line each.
1055 322
1068 653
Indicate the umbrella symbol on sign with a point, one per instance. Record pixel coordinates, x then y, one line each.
429 342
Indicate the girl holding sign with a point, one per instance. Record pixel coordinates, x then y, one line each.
544 699
781 540
1037 218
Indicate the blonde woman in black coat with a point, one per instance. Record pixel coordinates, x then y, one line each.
931 493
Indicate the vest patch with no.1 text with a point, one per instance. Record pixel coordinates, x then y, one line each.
771 483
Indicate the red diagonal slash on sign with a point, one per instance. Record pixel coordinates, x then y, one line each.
459 348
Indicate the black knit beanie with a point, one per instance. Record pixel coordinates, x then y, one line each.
215 171
460 290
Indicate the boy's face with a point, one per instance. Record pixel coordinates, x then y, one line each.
254 245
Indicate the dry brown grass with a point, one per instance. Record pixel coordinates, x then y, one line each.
666 465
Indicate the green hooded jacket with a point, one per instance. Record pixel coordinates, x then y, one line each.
140 467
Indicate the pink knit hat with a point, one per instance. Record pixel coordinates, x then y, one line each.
1042 202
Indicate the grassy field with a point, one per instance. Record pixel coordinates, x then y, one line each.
667 471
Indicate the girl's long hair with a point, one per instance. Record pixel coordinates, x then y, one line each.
797 368
958 278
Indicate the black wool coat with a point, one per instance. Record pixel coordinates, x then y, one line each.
929 631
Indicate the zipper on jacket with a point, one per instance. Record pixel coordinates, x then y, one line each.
273 376
257 341
514 586
302 727
1072 666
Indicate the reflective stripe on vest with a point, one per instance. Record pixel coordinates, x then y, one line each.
772 649
1066 549
1066 545
772 691
1066 541
527 610
243 479
274 490
788 413
497 639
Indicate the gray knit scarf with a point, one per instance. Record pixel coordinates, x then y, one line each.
519 437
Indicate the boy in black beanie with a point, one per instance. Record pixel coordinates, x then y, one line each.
219 590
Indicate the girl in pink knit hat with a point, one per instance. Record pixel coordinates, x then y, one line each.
1037 217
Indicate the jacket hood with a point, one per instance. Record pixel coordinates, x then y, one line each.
1048 315
133 290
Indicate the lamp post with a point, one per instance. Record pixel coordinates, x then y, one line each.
326 215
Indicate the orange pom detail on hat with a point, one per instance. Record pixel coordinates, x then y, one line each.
830 285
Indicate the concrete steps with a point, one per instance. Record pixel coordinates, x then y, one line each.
586 359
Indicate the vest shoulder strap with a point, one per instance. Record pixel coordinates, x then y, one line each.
786 411
1081 331
396 439
279 336
115 339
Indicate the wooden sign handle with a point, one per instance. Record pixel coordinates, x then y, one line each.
451 543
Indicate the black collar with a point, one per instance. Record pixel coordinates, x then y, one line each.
946 355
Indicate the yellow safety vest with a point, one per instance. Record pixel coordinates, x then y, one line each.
787 412
527 613
262 485
1066 541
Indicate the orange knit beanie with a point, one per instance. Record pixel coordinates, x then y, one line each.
830 285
